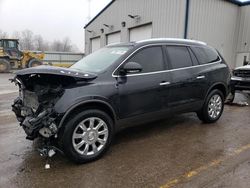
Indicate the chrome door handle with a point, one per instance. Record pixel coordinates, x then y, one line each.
200 77
164 83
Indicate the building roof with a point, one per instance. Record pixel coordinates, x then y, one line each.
110 3
237 2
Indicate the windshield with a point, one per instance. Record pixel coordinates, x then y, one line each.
100 60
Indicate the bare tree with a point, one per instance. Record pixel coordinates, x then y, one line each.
62 46
40 44
16 35
57 46
27 40
67 46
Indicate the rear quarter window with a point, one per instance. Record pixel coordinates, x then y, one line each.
205 55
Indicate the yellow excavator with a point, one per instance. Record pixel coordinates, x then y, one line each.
12 58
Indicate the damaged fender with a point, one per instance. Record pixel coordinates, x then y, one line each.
39 90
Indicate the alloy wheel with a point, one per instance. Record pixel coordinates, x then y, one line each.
215 106
90 136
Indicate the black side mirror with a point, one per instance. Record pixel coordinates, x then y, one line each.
131 67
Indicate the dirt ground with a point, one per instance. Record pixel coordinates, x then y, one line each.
177 152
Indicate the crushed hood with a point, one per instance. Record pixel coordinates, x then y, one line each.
51 70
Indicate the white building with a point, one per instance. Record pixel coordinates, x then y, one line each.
223 24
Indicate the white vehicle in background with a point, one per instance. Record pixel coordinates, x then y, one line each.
240 81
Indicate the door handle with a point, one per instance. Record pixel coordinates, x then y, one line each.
164 83
200 77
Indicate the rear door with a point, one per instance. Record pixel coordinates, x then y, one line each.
143 93
209 71
184 87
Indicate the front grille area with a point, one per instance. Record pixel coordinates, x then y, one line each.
242 73
30 100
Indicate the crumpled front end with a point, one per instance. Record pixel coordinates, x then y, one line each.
39 90
34 106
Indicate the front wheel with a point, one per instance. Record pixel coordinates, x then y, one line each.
87 136
212 108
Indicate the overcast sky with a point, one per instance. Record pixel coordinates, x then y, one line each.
53 19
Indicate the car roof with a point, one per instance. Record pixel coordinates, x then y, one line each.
161 40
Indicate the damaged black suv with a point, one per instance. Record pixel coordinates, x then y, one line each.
80 108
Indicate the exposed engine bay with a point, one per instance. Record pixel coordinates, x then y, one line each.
39 90
34 106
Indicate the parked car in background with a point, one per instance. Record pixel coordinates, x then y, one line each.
240 80
121 85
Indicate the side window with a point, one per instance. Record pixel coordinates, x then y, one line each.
179 57
205 55
150 58
193 57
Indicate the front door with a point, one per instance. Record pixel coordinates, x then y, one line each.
143 92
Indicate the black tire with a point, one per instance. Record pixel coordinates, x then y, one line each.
203 114
34 63
4 65
71 127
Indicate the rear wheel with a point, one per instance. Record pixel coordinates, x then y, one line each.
87 136
212 108
4 65
34 63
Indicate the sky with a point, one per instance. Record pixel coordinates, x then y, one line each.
53 19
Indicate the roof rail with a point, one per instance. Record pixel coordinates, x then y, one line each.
172 39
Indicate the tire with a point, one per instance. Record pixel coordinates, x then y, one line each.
4 65
206 113
34 63
78 139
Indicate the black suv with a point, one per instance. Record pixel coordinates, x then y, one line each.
81 107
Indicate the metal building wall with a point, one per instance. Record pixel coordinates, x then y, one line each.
215 22
220 23
167 17
243 44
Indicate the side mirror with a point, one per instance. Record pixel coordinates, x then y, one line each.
131 67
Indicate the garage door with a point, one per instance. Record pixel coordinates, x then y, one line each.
140 33
95 44
114 38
